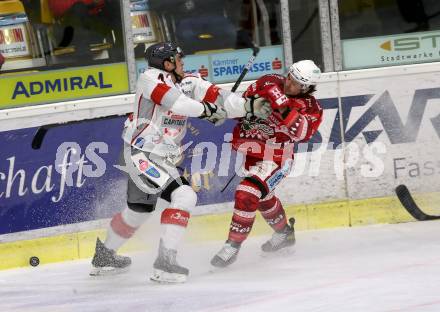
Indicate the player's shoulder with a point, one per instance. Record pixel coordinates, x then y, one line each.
154 74
191 75
190 78
270 79
151 73
195 80
312 103
309 99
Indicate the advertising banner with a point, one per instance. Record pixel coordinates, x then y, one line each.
371 140
391 50
141 21
399 119
74 175
60 184
62 85
227 66
14 37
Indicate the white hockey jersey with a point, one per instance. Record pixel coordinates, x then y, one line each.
162 107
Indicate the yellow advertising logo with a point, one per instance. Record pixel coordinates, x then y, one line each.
386 45
62 85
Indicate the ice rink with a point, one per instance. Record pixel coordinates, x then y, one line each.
373 268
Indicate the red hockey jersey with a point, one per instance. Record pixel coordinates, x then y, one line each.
273 138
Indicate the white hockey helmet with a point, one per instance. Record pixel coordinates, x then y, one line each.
305 72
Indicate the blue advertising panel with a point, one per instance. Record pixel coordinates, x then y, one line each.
198 64
35 191
72 177
226 66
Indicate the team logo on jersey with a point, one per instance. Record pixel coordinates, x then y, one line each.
173 124
277 96
144 166
139 142
255 129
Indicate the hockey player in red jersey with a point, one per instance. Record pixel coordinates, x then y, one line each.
268 145
165 98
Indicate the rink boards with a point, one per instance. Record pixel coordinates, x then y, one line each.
381 128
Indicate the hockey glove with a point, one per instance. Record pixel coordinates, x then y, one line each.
213 114
258 107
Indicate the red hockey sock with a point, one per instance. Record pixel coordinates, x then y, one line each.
247 197
173 223
273 212
175 216
121 227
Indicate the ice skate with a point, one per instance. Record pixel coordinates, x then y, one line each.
280 240
166 268
227 255
107 262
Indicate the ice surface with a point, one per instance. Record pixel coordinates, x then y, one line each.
374 268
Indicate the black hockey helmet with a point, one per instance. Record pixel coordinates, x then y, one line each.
158 53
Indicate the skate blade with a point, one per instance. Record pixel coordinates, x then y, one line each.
215 269
220 267
163 277
106 271
283 252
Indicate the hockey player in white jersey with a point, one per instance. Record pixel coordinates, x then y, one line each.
165 98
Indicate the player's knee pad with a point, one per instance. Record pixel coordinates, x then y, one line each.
184 198
141 208
175 184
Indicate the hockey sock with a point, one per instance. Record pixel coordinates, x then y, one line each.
122 227
173 223
273 212
247 197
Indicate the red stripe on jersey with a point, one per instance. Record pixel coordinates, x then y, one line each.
159 92
211 94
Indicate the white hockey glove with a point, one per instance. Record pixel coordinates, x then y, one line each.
258 107
214 114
